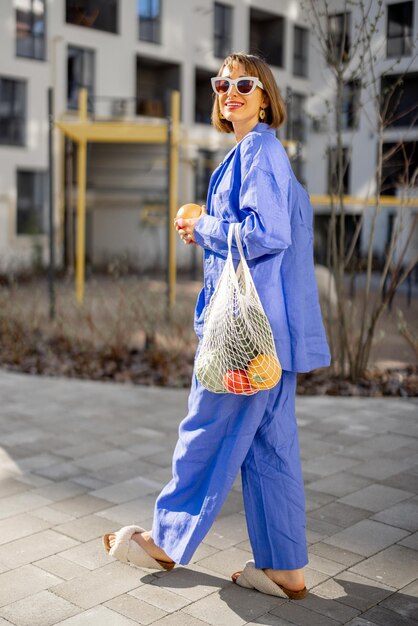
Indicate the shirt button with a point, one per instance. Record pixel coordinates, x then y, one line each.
208 285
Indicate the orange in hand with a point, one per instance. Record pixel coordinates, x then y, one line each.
188 211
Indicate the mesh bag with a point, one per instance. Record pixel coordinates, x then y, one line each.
237 354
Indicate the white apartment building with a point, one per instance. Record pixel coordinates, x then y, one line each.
129 54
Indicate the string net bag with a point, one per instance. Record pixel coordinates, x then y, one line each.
237 354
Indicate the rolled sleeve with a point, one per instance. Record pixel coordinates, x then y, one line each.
265 227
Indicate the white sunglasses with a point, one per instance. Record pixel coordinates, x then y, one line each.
244 85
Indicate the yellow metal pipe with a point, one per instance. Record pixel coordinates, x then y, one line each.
353 201
173 200
81 220
81 203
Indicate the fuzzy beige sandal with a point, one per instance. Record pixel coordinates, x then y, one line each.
127 550
253 578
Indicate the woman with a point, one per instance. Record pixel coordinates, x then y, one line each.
223 433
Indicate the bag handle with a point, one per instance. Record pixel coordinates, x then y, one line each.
234 229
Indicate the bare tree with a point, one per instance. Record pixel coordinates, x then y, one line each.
352 55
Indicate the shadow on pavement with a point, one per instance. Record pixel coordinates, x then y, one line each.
351 603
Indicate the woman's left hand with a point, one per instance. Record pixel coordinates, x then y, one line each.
185 227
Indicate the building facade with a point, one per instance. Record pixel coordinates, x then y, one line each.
129 54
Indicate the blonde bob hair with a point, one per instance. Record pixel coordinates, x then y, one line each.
257 67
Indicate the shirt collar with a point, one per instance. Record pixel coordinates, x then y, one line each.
261 127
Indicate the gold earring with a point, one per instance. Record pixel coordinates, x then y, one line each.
221 117
262 115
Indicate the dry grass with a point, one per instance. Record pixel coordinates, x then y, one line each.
122 333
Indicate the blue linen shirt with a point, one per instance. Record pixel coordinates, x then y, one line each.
255 186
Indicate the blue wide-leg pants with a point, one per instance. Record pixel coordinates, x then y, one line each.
221 435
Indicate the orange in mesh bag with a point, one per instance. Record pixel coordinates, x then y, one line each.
237 354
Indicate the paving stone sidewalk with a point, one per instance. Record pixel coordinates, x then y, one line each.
80 458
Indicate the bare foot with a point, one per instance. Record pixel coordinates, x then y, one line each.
147 543
292 579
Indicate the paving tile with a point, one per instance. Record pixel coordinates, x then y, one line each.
315 499
134 608
402 515
340 484
41 609
193 582
161 598
375 497
410 542
61 567
60 490
321 564
128 490
314 577
85 528
316 530
105 459
81 505
302 616
396 566
90 554
52 516
60 471
226 561
24 581
366 537
380 468
339 514
404 602
204 551
19 526
21 503
10 486
233 606
122 471
27 549
329 464
133 512
354 590
342 613
98 615
227 531
100 585
179 619
270 620
380 615
405 480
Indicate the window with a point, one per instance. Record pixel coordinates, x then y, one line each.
32 214
399 98
350 112
333 172
203 97
30 28
296 116
399 29
80 63
338 37
300 51
400 162
154 82
267 36
222 30
97 14
149 12
12 112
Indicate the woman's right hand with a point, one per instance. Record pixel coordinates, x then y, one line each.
185 227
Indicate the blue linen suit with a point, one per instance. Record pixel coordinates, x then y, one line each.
254 186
